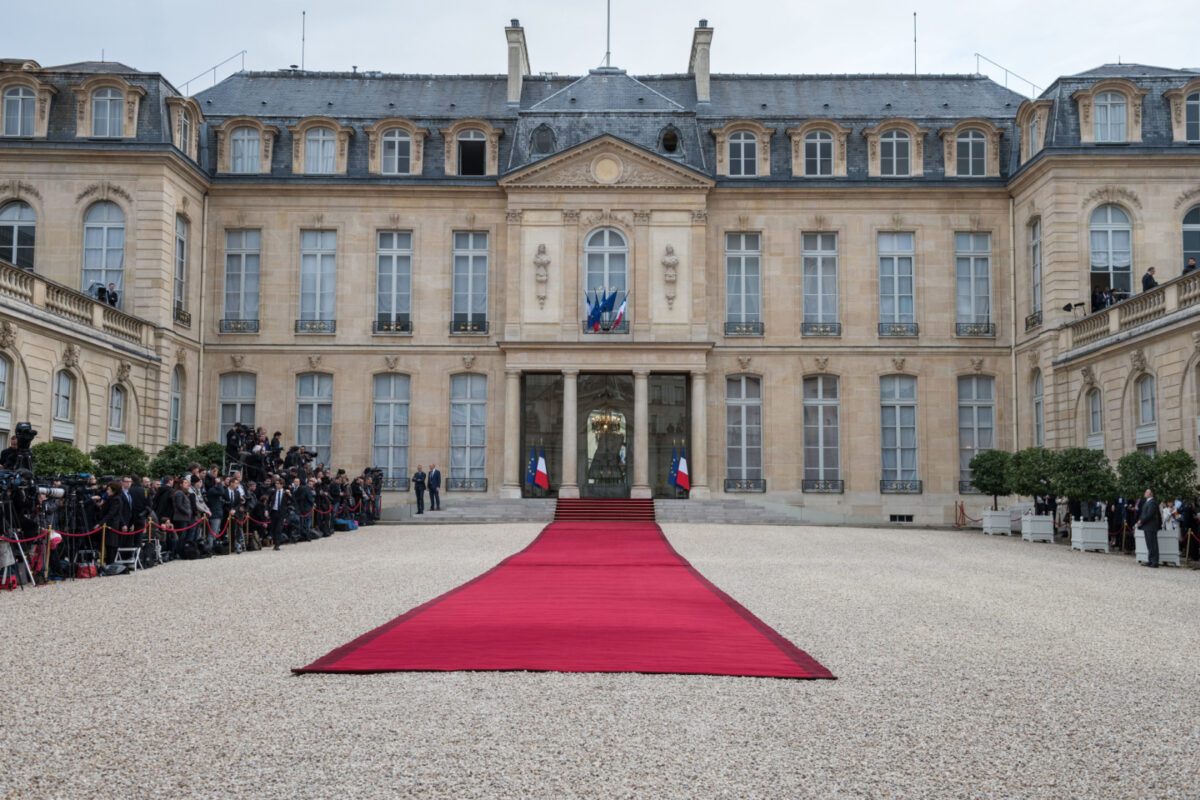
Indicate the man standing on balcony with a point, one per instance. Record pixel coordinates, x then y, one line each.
113 298
1148 281
1190 266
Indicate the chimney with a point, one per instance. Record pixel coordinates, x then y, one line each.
518 61
698 62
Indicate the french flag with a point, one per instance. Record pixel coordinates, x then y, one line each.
620 310
540 478
681 475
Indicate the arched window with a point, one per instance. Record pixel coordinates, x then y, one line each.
389 443
606 254
669 141
1039 420
743 154
541 143
107 106
314 414
1110 110
237 399
18 111
822 454
17 227
472 152
245 151
1110 239
320 146
1191 235
1146 415
972 154
976 422
103 247
116 409
1035 264
397 152
64 396
894 148
1095 420
818 153
743 428
175 417
468 432
1192 117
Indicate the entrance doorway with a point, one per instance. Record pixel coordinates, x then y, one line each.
605 435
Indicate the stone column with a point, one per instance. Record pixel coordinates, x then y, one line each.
569 488
641 434
512 434
698 458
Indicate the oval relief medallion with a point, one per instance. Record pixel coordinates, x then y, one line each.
606 169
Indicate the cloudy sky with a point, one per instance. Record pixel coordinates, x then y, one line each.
1036 39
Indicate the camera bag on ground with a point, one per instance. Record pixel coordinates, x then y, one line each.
85 564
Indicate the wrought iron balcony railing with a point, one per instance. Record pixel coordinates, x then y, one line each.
897 329
1033 321
743 328
823 486
239 326
900 487
820 329
620 327
183 317
316 326
469 327
395 484
745 484
399 325
466 485
974 329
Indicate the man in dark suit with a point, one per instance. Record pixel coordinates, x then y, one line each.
418 482
434 482
304 500
1150 520
279 503
1148 281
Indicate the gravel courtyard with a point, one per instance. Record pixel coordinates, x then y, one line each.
968 666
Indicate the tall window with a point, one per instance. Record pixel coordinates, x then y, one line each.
390 437
185 131
1034 133
819 256
175 416
472 152
607 257
238 390
1110 117
468 430
116 409
243 250
318 274
245 151
314 413
894 154
1191 234
107 106
1146 431
5 372
18 111
743 279
972 154
898 419
1192 121
976 420
397 152
743 428
64 396
822 455
320 145
393 282
1095 420
1110 237
1039 418
896 299
743 154
818 153
1035 263
103 246
469 304
973 278
17 226
181 235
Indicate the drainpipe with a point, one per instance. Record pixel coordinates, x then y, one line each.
1012 350
200 312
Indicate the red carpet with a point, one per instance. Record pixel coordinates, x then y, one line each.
582 597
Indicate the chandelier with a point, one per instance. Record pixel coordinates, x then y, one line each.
606 421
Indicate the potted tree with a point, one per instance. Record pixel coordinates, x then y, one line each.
1085 475
1031 474
989 474
1174 479
1135 474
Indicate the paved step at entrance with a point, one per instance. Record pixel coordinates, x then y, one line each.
719 512
604 510
460 511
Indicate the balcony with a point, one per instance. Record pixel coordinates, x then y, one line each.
980 329
822 486
1033 321
897 329
1163 301
466 485
387 326
899 487
743 329
38 292
395 484
317 326
183 317
820 329
745 484
239 326
469 327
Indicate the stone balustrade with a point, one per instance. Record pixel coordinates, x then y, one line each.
65 302
1160 301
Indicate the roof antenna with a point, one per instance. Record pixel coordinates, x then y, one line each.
608 34
302 22
914 43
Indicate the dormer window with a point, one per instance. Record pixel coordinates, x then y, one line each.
743 155
472 152
894 156
107 105
246 146
818 153
1192 114
1110 110
972 154
320 149
542 141
395 146
397 152
1034 134
18 111
670 141
185 130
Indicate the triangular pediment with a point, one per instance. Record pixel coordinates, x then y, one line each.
606 162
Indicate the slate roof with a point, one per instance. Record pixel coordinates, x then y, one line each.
606 89
96 66
1134 71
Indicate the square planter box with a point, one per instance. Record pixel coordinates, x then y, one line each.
1037 528
1089 535
997 522
1168 546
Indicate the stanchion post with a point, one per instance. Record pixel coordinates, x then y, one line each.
46 557
103 539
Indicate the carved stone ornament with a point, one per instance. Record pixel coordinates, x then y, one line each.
744 362
606 217
468 360
71 356
700 217
541 273
898 363
1186 196
743 221
641 217
513 216
394 219
670 263
820 222
1034 357
1112 194
238 359
471 219
822 363
239 219
17 189
123 371
1089 377
391 362
318 220
314 361
8 334
1137 359
977 364
570 216
976 222
1195 339
103 190
897 221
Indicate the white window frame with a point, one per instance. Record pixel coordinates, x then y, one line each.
819 277
1191 117
64 396
742 148
314 414
181 238
243 267
175 418
318 275
1107 232
976 420
1110 110
470 135
821 409
469 304
397 152
897 417
1034 132
393 277
238 395
974 142
6 372
320 151
818 154
1039 411
116 408
390 425
468 428
18 219
1035 263
895 150
897 264
108 125
20 102
1191 231
973 277
1147 410
1095 420
743 427
111 234
185 131
245 150
743 277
